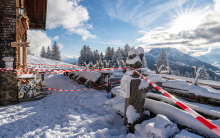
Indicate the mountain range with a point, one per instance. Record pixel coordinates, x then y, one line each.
213 57
69 59
179 61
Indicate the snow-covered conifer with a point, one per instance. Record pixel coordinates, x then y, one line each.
101 56
43 52
144 62
55 52
190 75
48 54
186 74
176 72
204 74
89 55
83 55
28 51
109 53
215 78
119 55
96 56
126 49
162 59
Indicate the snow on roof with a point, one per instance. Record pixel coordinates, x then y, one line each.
178 84
203 91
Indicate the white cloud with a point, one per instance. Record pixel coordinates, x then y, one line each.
217 5
60 45
37 40
205 34
56 37
74 46
69 56
69 15
141 14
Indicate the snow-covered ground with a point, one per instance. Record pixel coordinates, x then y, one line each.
62 114
89 113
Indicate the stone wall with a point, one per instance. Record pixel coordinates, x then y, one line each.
11 30
7 30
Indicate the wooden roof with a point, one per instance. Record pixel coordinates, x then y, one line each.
36 11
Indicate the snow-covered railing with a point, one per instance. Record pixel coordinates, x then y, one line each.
159 71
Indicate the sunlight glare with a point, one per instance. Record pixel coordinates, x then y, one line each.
185 22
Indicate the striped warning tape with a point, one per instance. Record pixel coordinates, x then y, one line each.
62 89
57 65
61 71
204 121
34 73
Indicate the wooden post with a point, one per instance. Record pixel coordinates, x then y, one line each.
156 69
42 77
137 97
195 74
105 80
137 100
24 57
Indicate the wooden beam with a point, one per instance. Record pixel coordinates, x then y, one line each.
19 44
24 57
44 5
35 11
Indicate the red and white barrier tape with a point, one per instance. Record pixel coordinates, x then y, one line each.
16 77
80 89
34 73
204 121
65 90
61 71
57 65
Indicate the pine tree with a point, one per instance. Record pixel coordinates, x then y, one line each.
204 74
176 72
83 55
56 52
89 55
190 75
186 74
28 51
48 54
162 59
101 57
126 49
215 78
96 56
119 55
43 52
144 62
108 53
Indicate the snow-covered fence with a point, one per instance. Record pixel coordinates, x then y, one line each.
121 62
159 71
99 64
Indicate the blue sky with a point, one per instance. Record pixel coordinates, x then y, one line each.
146 23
